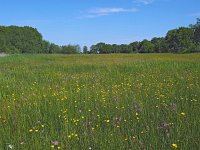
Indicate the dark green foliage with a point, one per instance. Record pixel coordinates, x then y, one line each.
146 47
159 45
197 34
135 46
20 40
103 48
15 39
181 40
70 49
85 50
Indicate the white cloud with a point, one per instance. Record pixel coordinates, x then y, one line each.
107 11
145 2
194 15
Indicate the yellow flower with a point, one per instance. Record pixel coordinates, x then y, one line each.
59 147
31 130
36 130
52 146
42 126
174 145
107 121
69 136
183 114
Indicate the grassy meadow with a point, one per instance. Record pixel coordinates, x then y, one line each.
100 102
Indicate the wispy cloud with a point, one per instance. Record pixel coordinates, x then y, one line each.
144 2
107 11
194 14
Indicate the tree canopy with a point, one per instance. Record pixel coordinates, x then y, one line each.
180 40
26 39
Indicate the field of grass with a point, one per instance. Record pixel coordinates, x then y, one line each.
100 102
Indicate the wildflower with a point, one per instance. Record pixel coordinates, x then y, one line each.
42 126
59 147
31 130
55 143
69 136
107 121
183 114
36 130
10 146
22 143
174 145
52 146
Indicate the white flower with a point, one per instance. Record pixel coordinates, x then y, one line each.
10 146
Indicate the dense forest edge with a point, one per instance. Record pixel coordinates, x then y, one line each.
14 39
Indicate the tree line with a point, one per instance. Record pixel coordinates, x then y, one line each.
26 39
181 40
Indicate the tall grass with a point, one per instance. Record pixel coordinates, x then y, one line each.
100 102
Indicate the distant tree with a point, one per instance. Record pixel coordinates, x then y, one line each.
125 48
15 39
135 46
70 49
53 48
94 49
146 47
45 46
85 50
26 39
180 40
115 48
197 31
159 45
102 48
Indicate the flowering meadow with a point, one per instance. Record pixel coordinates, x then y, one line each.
100 102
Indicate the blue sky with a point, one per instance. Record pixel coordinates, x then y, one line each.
87 22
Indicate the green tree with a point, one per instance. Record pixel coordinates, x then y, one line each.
146 47
135 46
197 31
15 39
180 40
53 48
85 50
159 45
70 49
